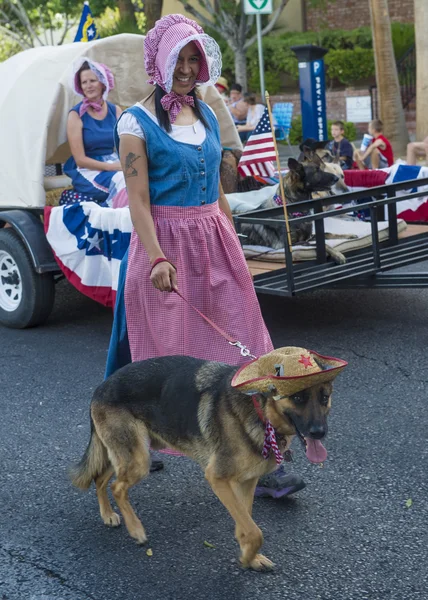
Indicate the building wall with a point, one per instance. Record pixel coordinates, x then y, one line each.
349 14
292 17
336 104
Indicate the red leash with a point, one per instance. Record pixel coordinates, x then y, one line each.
270 444
244 350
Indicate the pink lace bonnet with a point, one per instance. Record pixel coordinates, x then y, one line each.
164 43
103 73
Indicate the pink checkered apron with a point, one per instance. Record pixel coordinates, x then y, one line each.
212 275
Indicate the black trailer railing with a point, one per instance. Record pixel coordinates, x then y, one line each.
364 267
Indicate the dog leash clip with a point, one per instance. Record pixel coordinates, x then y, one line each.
244 350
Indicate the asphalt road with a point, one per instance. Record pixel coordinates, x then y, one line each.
349 535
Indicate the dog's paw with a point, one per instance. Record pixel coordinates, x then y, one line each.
112 520
260 563
139 535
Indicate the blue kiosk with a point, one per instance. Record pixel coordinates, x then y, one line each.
312 91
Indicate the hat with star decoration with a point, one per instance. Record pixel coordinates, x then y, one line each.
286 371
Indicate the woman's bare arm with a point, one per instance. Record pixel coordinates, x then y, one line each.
224 204
239 111
135 168
75 139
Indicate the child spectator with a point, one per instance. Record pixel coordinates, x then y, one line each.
340 147
379 154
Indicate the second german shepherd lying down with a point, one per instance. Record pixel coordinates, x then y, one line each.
303 181
190 405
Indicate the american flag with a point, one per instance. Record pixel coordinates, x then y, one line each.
259 152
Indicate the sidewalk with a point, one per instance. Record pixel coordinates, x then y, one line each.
286 152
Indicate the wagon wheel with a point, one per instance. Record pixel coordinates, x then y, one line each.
26 298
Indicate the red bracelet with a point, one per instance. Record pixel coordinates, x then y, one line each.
160 260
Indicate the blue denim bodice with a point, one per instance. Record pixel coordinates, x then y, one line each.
181 174
98 134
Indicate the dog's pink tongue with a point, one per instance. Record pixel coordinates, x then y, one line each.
315 451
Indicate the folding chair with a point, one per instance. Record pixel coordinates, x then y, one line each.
282 113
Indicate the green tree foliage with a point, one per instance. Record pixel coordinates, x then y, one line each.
33 22
28 23
296 131
349 60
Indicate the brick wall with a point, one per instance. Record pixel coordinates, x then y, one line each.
349 14
336 104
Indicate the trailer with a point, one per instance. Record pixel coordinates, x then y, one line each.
368 267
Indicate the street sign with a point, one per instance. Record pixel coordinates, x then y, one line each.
258 7
359 109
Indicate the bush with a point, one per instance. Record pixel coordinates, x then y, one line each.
110 23
349 66
296 131
403 38
349 60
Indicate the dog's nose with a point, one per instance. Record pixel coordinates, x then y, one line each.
317 432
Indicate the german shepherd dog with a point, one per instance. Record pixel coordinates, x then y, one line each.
303 181
189 404
311 148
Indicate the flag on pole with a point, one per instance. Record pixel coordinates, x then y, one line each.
87 31
259 152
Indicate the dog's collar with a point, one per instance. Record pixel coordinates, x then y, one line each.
278 200
270 443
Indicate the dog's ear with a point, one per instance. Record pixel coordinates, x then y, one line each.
308 153
297 167
317 160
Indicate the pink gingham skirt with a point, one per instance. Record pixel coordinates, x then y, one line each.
212 275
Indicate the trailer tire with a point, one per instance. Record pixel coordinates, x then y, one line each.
26 297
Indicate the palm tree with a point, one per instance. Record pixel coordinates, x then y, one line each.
421 28
390 105
153 12
127 12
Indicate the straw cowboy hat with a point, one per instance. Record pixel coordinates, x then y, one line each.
286 371
222 82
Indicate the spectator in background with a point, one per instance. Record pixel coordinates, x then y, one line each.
93 162
379 153
340 147
237 107
222 87
415 149
254 114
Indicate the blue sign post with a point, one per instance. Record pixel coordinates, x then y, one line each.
312 91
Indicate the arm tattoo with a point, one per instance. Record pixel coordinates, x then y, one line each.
130 170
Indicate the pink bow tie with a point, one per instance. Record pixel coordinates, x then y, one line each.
96 106
173 103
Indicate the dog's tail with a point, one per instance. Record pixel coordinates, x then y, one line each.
336 255
94 462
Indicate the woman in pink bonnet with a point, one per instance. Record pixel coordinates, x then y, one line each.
94 161
183 236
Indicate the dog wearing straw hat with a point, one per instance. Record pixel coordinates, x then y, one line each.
236 422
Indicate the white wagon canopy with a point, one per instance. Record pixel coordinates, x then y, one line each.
35 99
